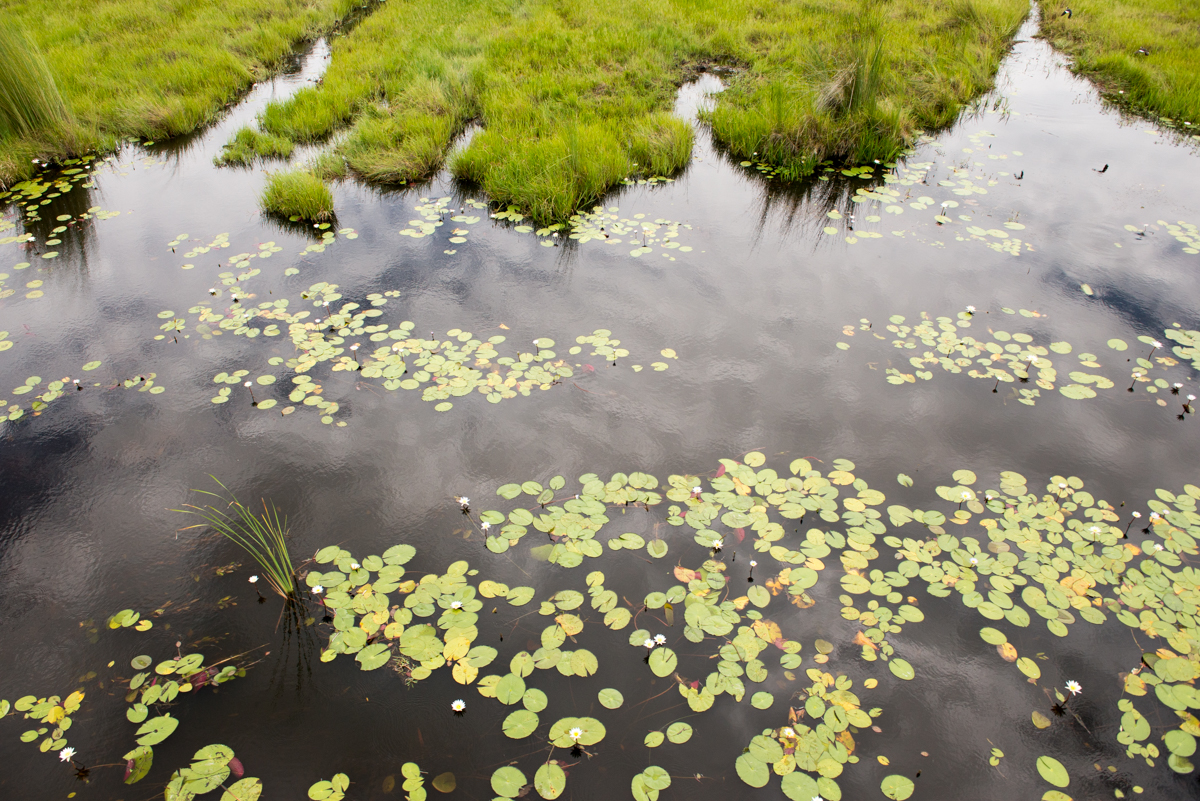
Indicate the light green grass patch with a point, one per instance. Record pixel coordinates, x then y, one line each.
1104 36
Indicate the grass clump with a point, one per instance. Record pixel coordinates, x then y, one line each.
297 193
151 68
248 145
30 102
263 536
1104 38
573 98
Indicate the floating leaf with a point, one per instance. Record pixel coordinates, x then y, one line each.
611 699
1053 771
654 739
901 669
520 724
445 782
156 730
762 700
680 732
550 780
663 661
897 787
508 781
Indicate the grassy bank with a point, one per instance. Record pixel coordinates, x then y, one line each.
150 68
574 97
1103 38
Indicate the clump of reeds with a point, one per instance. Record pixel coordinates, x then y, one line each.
297 193
263 536
29 98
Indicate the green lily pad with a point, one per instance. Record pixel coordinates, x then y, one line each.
550 780
901 669
1053 771
654 739
611 699
520 724
508 781
680 732
897 787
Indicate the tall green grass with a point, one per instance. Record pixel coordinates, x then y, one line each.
29 99
1103 39
573 98
152 68
297 193
263 536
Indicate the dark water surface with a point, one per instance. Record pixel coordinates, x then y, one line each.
754 311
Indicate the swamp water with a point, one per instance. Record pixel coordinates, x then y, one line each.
718 316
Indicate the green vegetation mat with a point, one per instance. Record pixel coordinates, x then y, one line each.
147 68
1105 36
574 98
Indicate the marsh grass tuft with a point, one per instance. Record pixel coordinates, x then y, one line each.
263 536
30 102
249 145
297 193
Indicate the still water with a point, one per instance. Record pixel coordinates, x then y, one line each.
753 303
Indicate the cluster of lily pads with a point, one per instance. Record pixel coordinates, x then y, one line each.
1188 234
1018 358
48 391
601 224
456 366
31 195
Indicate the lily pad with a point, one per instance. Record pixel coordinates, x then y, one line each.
1053 771
897 787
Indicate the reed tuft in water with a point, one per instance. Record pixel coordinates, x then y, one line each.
263 536
297 193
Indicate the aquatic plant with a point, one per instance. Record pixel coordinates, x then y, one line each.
29 99
263 536
297 193
211 767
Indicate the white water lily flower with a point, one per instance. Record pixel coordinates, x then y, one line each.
974 561
788 731
485 525
67 754
971 309
464 501
753 563
1156 344
458 705
1137 514
1073 687
697 489
254 579
317 589
456 604
576 733
649 643
1158 546
354 565
817 798
717 543
1062 486
659 639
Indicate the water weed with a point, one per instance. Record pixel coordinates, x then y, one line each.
249 145
263 536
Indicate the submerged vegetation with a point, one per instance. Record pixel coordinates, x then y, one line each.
1145 54
574 100
297 193
144 68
